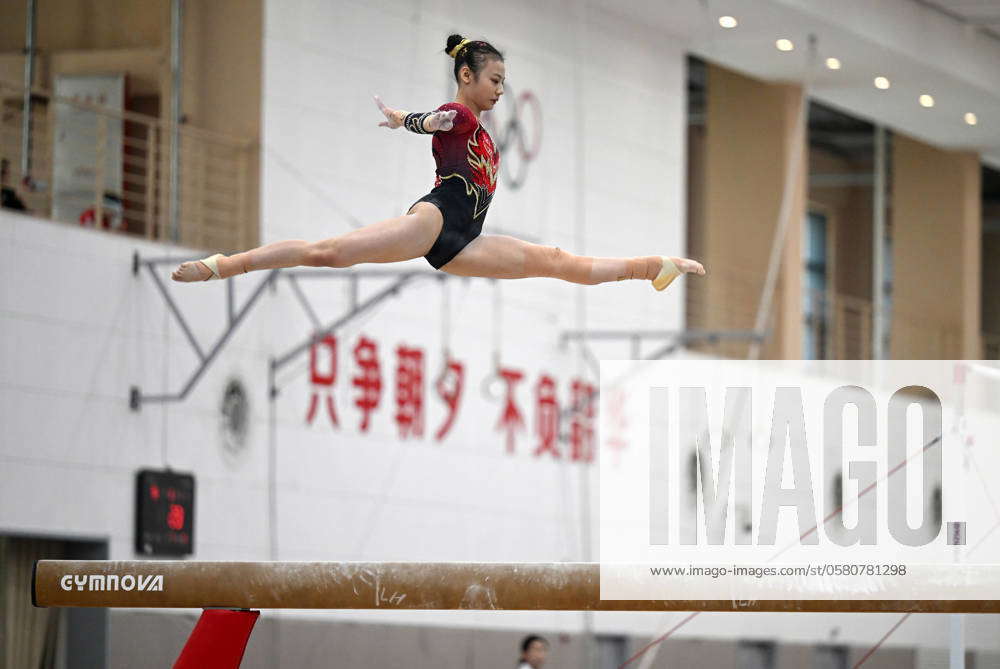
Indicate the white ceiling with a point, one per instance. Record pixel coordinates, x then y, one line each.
982 13
921 49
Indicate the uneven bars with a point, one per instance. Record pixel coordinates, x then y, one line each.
564 586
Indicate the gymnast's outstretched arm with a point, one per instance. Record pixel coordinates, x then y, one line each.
423 123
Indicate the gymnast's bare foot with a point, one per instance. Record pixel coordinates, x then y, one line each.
686 266
198 270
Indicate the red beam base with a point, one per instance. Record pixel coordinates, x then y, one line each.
218 640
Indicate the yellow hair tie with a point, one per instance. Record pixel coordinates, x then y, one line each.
458 47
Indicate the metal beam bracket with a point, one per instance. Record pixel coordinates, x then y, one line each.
236 316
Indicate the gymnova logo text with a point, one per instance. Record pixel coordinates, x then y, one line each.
112 582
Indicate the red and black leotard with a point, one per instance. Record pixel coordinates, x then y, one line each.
467 168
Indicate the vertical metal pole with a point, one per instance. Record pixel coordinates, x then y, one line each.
590 659
956 537
176 30
957 654
29 77
272 455
272 489
878 233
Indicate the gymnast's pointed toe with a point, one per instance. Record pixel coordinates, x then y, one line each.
206 269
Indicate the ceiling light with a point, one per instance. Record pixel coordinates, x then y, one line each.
926 101
728 22
784 45
833 63
881 82
971 119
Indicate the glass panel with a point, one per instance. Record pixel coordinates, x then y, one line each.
814 289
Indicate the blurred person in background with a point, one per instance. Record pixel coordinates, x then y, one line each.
534 651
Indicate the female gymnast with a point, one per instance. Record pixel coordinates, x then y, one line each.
444 226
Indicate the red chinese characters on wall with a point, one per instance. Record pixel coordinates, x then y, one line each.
511 419
409 392
577 443
322 383
583 398
368 380
449 389
546 417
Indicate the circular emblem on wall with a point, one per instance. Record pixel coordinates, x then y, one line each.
520 135
235 417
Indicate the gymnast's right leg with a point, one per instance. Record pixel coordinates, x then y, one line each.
392 240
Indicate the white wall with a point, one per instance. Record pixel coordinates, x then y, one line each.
79 329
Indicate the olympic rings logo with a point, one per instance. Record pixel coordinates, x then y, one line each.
525 105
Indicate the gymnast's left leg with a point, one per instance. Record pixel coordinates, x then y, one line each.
503 257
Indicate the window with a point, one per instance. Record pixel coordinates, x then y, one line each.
814 290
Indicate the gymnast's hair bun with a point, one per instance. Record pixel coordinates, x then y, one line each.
470 53
453 41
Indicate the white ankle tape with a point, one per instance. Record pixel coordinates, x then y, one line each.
212 263
667 274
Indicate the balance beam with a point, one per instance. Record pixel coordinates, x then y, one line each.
562 586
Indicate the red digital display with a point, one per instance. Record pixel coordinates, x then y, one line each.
175 517
164 513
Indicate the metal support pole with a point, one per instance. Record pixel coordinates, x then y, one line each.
393 289
136 397
29 77
957 654
272 459
177 314
679 335
297 289
176 64
878 266
957 537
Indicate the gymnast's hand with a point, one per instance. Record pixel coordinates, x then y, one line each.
435 121
394 117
